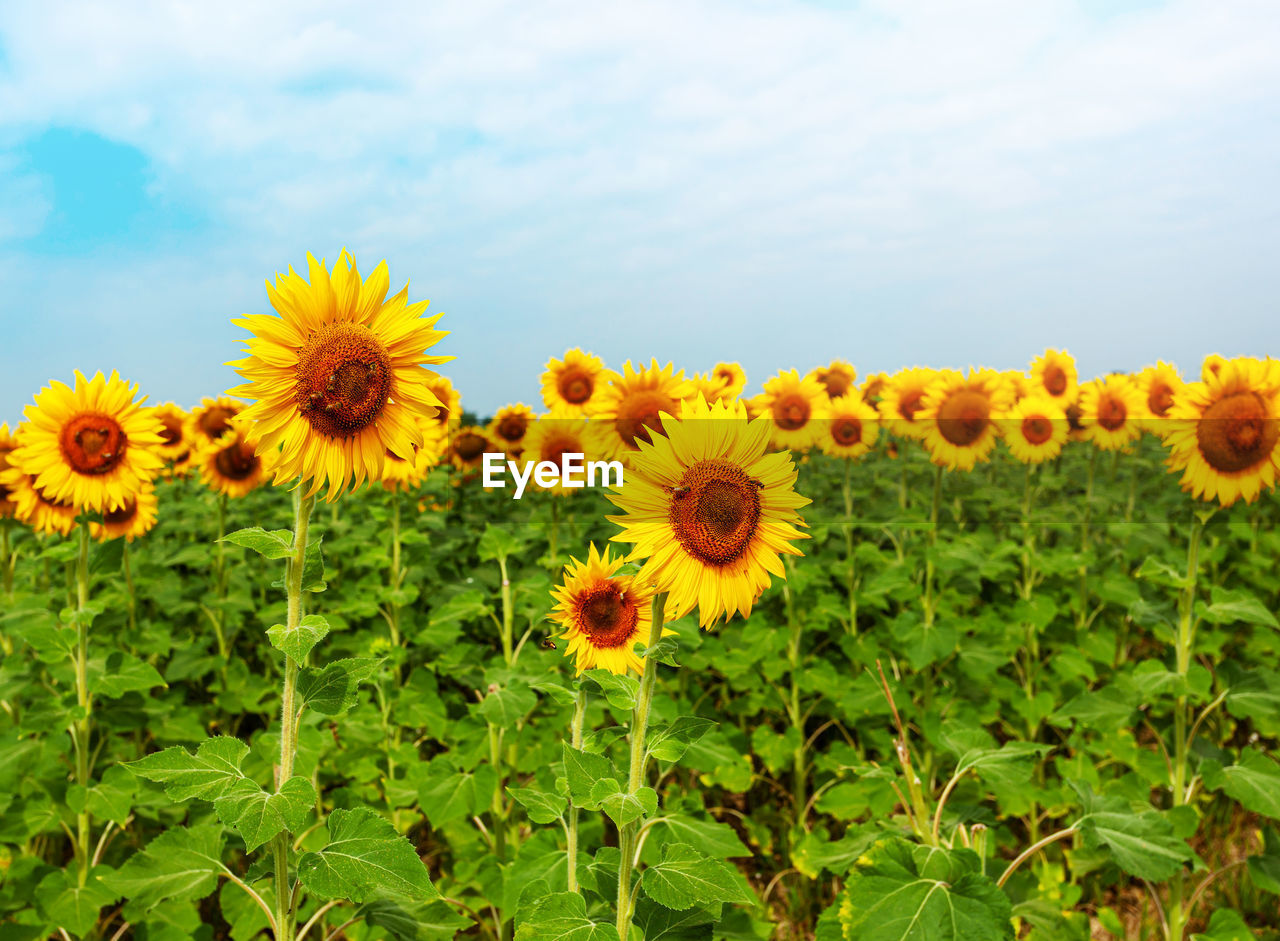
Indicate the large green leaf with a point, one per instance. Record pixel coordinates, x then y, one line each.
684 878
208 774
181 863
561 916
365 860
297 643
1142 841
70 905
415 921
331 690
1254 782
259 815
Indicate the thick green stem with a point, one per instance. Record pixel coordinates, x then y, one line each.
397 574
799 784
571 826
83 726
929 602
128 584
636 777
1083 614
852 582
508 614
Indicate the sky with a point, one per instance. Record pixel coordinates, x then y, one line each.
778 182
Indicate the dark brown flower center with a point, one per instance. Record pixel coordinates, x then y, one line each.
836 383
513 427
171 432
575 386
1111 412
791 412
1037 429
964 416
93 444
1055 380
122 514
1236 433
872 389
715 511
1160 398
469 445
344 379
910 403
5 492
846 431
638 415
215 420
236 461
607 615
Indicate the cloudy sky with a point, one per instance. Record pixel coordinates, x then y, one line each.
775 182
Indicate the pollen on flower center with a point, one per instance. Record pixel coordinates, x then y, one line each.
791 412
1236 432
576 387
512 427
344 379
910 403
215 421
1055 380
836 383
171 431
963 417
1160 399
846 431
237 462
1111 413
1037 429
606 616
121 514
93 444
469 446
715 511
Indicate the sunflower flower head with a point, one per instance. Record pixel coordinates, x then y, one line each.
234 465
1158 384
732 379
509 426
901 398
1035 429
7 444
133 518
1111 410
836 379
211 419
633 403
1054 375
851 428
576 383
959 415
561 432
795 408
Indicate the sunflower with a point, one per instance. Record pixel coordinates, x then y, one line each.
576 382
7 506
873 387
234 464
1035 429
399 474
1054 375
449 413
732 379
467 447
92 446
837 379
1111 411
34 507
795 408
604 615
509 426
339 377
173 433
633 401
1222 432
958 413
852 427
706 385
1019 383
561 432
900 401
132 519
1212 365
211 419
710 510
1159 384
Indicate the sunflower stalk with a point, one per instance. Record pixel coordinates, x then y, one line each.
852 579
571 825
83 726
636 775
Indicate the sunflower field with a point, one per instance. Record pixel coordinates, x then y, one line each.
929 656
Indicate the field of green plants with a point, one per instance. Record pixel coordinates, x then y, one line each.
1017 702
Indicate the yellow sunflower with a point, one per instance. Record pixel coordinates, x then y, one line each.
561 432
7 444
795 408
1054 374
92 446
467 447
34 507
873 387
399 474
131 519
852 427
339 377
180 466
211 419
173 434
576 382
1212 365
509 426
1111 411
710 510
448 414
706 385
633 401
1159 384
1035 429
958 413
732 379
837 379
603 615
234 464
901 398
1222 432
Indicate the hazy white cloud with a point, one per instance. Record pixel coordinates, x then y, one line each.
900 181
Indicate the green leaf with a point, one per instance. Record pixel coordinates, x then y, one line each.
684 878
562 916
1142 842
331 690
415 921
498 543
180 864
659 923
447 794
258 816
714 839
208 774
664 651
1264 869
504 706
119 673
365 860
107 557
902 892
541 807
622 807
1254 782
1235 606
815 852
619 689
582 771
297 643
1226 924
70 905
109 799
274 545
670 742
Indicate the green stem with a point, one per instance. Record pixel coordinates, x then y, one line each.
1083 613
220 587
7 560
128 584
571 827
929 603
636 777
799 784
83 727
397 574
507 613
852 582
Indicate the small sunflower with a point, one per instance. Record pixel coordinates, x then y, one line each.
449 412
1054 374
399 474
1035 429
851 428
1212 365
92 446
34 507
576 382
633 401
958 413
706 385
234 465
901 398
732 379
837 379
339 377
795 408
561 432
509 426
467 447
1111 411
604 615
7 444
873 387
710 510
1223 432
174 441
211 419
1159 384
131 519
